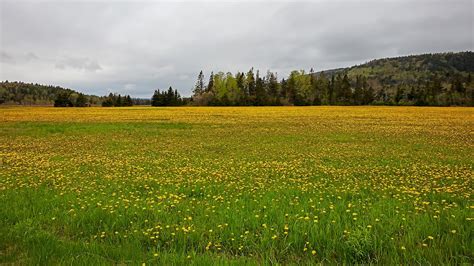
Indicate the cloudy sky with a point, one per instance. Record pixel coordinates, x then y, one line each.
135 47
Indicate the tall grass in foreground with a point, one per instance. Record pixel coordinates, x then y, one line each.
236 185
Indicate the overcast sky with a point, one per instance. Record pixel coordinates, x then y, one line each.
135 47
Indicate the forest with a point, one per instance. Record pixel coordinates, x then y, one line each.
423 80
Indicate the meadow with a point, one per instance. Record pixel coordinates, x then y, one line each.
236 185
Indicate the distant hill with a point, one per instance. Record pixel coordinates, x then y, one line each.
36 94
408 70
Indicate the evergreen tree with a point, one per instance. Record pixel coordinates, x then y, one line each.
199 87
343 90
272 88
155 99
128 101
259 90
63 100
331 86
250 82
368 93
166 98
210 85
118 101
81 100
242 88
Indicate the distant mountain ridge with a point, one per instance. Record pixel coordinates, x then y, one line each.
407 70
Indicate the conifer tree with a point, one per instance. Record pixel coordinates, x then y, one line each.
199 87
210 85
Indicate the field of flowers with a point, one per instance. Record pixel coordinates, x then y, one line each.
244 185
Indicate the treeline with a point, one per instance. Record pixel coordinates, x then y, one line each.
301 88
71 99
117 100
167 98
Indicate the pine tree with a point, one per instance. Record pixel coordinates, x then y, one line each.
128 101
210 85
118 100
272 87
155 99
170 97
343 92
63 100
358 91
331 86
242 88
81 100
259 90
250 78
368 97
199 87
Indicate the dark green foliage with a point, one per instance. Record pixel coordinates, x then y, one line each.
199 88
210 85
81 101
430 79
36 94
67 99
114 100
167 98
63 100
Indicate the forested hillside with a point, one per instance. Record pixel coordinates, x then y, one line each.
431 79
20 93
36 94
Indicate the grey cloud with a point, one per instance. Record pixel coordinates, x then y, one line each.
31 56
142 46
79 63
5 57
22 58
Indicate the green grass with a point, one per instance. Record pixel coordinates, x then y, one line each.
239 186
